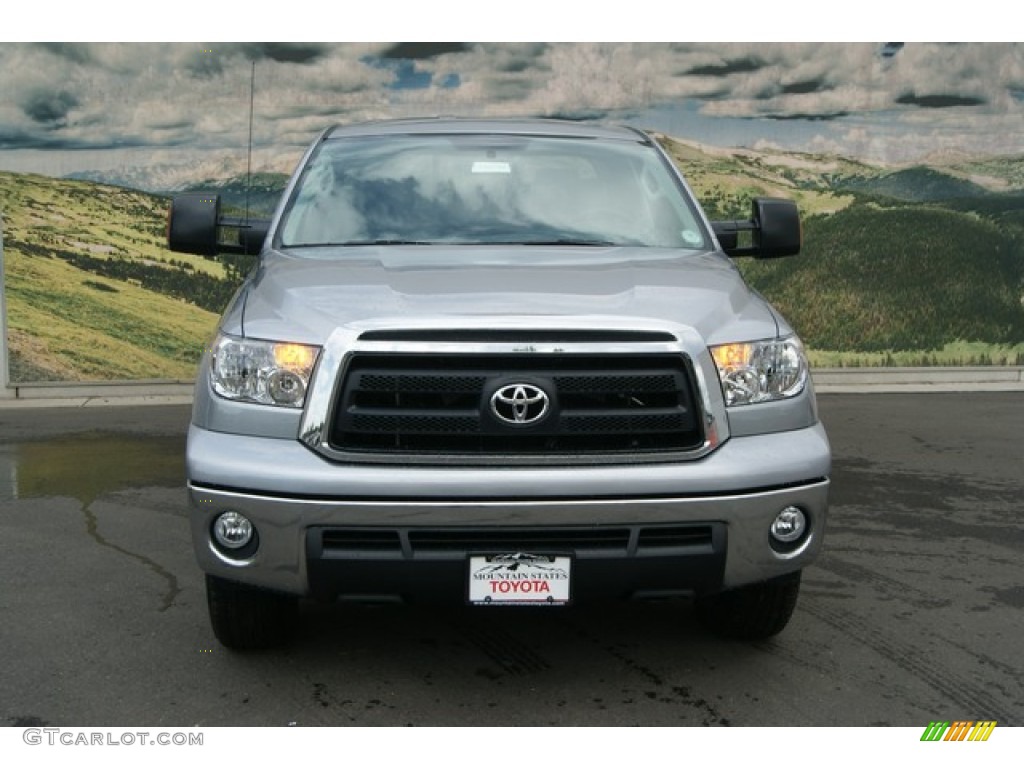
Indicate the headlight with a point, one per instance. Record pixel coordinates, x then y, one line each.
273 373
759 371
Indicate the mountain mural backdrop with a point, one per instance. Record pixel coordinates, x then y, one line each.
907 162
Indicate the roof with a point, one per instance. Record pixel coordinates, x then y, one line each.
516 126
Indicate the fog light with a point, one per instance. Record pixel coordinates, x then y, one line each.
232 530
789 525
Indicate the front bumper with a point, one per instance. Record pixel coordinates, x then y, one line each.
293 496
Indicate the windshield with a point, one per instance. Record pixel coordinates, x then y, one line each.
489 189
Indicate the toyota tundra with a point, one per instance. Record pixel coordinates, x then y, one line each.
500 363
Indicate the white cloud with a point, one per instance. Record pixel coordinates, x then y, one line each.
195 96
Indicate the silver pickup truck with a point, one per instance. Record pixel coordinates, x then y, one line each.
503 363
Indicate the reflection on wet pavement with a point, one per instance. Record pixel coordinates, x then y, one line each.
90 466
86 467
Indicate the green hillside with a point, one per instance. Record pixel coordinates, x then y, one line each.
726 180
884 281
1005 210
92 292
879 279
996 174
914 184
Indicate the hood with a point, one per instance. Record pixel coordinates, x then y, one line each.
304 295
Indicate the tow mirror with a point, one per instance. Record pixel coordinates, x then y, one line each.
774 228
195 225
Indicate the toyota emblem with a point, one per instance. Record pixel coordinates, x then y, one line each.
520 404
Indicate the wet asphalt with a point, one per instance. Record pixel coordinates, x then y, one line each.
913 613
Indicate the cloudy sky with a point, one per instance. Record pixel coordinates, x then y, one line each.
67 107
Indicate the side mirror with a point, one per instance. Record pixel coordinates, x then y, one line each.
195 225
779 232
774 227
192 223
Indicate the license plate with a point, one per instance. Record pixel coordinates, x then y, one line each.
519 579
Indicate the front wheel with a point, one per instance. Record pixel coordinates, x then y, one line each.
754 612
249 618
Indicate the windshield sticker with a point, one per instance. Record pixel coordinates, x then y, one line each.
691 237
491 166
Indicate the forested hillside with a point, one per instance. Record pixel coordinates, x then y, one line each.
876 278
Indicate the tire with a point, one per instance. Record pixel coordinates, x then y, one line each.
754 612
248 618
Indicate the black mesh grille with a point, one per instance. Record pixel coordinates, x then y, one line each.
625 540
413 424
442 404
615 385
362 540
415 384
483 540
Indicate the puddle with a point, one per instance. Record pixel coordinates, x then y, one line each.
86 467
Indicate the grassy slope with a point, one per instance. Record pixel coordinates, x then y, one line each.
725 181
66 323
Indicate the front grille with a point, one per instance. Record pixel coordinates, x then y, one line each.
578 540
442 404
519 540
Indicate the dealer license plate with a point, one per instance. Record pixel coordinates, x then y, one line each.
519 579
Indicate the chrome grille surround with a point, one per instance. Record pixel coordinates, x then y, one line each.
640 341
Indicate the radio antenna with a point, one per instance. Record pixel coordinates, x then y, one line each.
248 159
